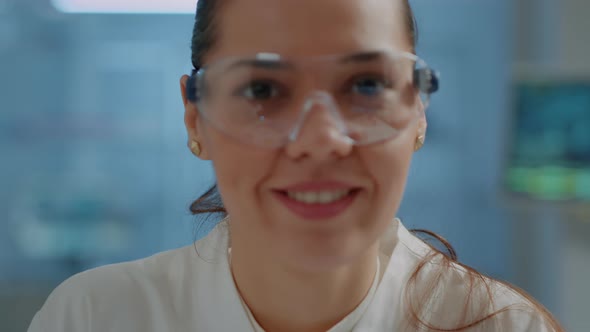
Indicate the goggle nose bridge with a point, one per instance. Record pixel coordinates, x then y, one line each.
323 98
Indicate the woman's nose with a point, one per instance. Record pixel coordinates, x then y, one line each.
320 132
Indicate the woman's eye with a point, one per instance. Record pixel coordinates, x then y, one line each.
368 86
260 90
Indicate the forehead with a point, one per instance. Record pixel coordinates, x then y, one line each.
309 27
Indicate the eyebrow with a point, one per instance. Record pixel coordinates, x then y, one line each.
261 63
362 57
274 61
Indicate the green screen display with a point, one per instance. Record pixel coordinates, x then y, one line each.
549 157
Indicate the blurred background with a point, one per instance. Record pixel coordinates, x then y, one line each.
94 167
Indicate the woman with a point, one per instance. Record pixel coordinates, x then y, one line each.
310 112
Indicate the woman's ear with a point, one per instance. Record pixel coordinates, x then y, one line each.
422 125
191 119
420 133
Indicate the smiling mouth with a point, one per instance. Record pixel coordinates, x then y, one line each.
323 197
318 204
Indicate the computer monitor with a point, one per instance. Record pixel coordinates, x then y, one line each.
549 150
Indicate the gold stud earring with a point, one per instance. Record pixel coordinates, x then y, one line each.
419 142
195 148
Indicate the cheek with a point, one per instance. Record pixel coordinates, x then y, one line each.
239 169
388 165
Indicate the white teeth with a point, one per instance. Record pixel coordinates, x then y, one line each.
320 197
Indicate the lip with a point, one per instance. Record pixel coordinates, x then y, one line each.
318 212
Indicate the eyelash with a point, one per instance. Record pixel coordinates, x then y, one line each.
347 87
241 91
385 83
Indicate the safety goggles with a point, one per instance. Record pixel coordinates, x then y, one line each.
266 98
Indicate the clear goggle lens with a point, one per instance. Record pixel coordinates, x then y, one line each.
264 99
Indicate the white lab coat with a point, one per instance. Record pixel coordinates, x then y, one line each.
192 289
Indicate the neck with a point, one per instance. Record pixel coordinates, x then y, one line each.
285 299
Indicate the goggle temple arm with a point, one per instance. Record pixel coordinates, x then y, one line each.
426 80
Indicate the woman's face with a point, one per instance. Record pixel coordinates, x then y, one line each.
262 188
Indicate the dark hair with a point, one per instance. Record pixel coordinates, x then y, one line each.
210 203
204 31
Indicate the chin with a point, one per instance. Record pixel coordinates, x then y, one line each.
326 252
